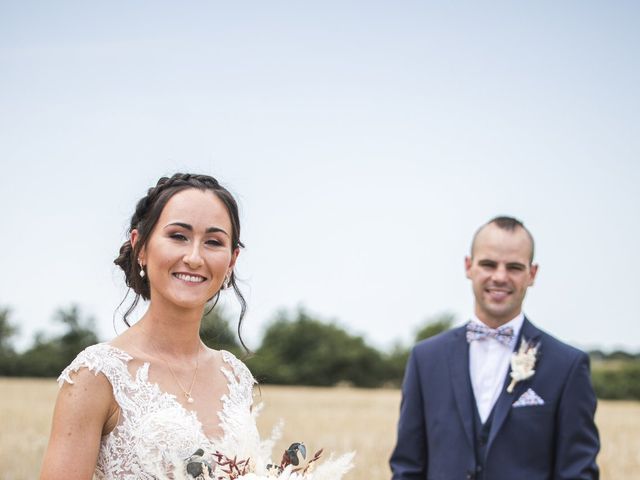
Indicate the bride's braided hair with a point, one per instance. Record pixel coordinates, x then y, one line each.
146 216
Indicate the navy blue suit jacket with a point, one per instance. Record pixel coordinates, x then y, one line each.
557 440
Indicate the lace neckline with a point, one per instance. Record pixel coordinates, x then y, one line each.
142 376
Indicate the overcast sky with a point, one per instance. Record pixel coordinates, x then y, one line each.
365 141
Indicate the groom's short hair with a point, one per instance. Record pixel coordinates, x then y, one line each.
505 223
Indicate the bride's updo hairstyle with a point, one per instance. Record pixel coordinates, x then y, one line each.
144 220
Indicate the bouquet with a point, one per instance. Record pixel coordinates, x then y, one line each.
242 455
293 466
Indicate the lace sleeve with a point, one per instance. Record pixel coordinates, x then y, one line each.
99 358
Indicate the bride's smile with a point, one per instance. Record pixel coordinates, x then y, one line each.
189 278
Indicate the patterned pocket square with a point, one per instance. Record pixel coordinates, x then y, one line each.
528 399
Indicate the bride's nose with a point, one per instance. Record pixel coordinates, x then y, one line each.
193 258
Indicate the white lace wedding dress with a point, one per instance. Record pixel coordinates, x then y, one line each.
155 433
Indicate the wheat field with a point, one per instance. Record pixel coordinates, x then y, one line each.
336 419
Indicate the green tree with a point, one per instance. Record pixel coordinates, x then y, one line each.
617 379
216 332
7 352
6 330
396 360
49 355
79 334
301 350
435 325
620 355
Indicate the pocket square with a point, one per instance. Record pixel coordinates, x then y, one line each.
528 399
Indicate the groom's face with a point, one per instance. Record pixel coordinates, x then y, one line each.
500 271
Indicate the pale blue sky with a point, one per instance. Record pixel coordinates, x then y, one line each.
366 141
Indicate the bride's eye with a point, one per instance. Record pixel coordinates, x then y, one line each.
177 236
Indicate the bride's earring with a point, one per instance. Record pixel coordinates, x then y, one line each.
142 274
227 281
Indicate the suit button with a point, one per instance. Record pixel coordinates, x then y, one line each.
479 468
471 475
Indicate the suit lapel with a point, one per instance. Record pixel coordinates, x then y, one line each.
503 405
459 367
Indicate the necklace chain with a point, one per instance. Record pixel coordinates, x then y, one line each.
186 393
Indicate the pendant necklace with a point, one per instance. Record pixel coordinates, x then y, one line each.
186 393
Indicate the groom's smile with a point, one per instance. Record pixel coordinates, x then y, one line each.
498 294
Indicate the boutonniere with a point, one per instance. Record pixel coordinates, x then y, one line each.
523 362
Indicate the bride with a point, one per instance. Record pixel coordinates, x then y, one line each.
135 407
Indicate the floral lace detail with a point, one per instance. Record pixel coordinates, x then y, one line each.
154 428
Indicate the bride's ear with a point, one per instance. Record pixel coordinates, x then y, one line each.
135 237
234 258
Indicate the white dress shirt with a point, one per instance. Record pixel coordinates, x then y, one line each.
488 366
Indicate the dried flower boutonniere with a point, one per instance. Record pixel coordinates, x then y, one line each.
522 363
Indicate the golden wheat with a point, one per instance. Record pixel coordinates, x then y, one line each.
336 419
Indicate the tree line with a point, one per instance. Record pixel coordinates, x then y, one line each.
297 349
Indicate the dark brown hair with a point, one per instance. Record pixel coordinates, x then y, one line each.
146 216
505 223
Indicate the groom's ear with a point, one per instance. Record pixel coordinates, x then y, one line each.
533 271
468 261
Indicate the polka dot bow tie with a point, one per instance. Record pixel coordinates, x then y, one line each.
476 331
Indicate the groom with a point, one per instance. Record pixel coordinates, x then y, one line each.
463 416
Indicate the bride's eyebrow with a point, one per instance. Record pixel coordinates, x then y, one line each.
186 226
